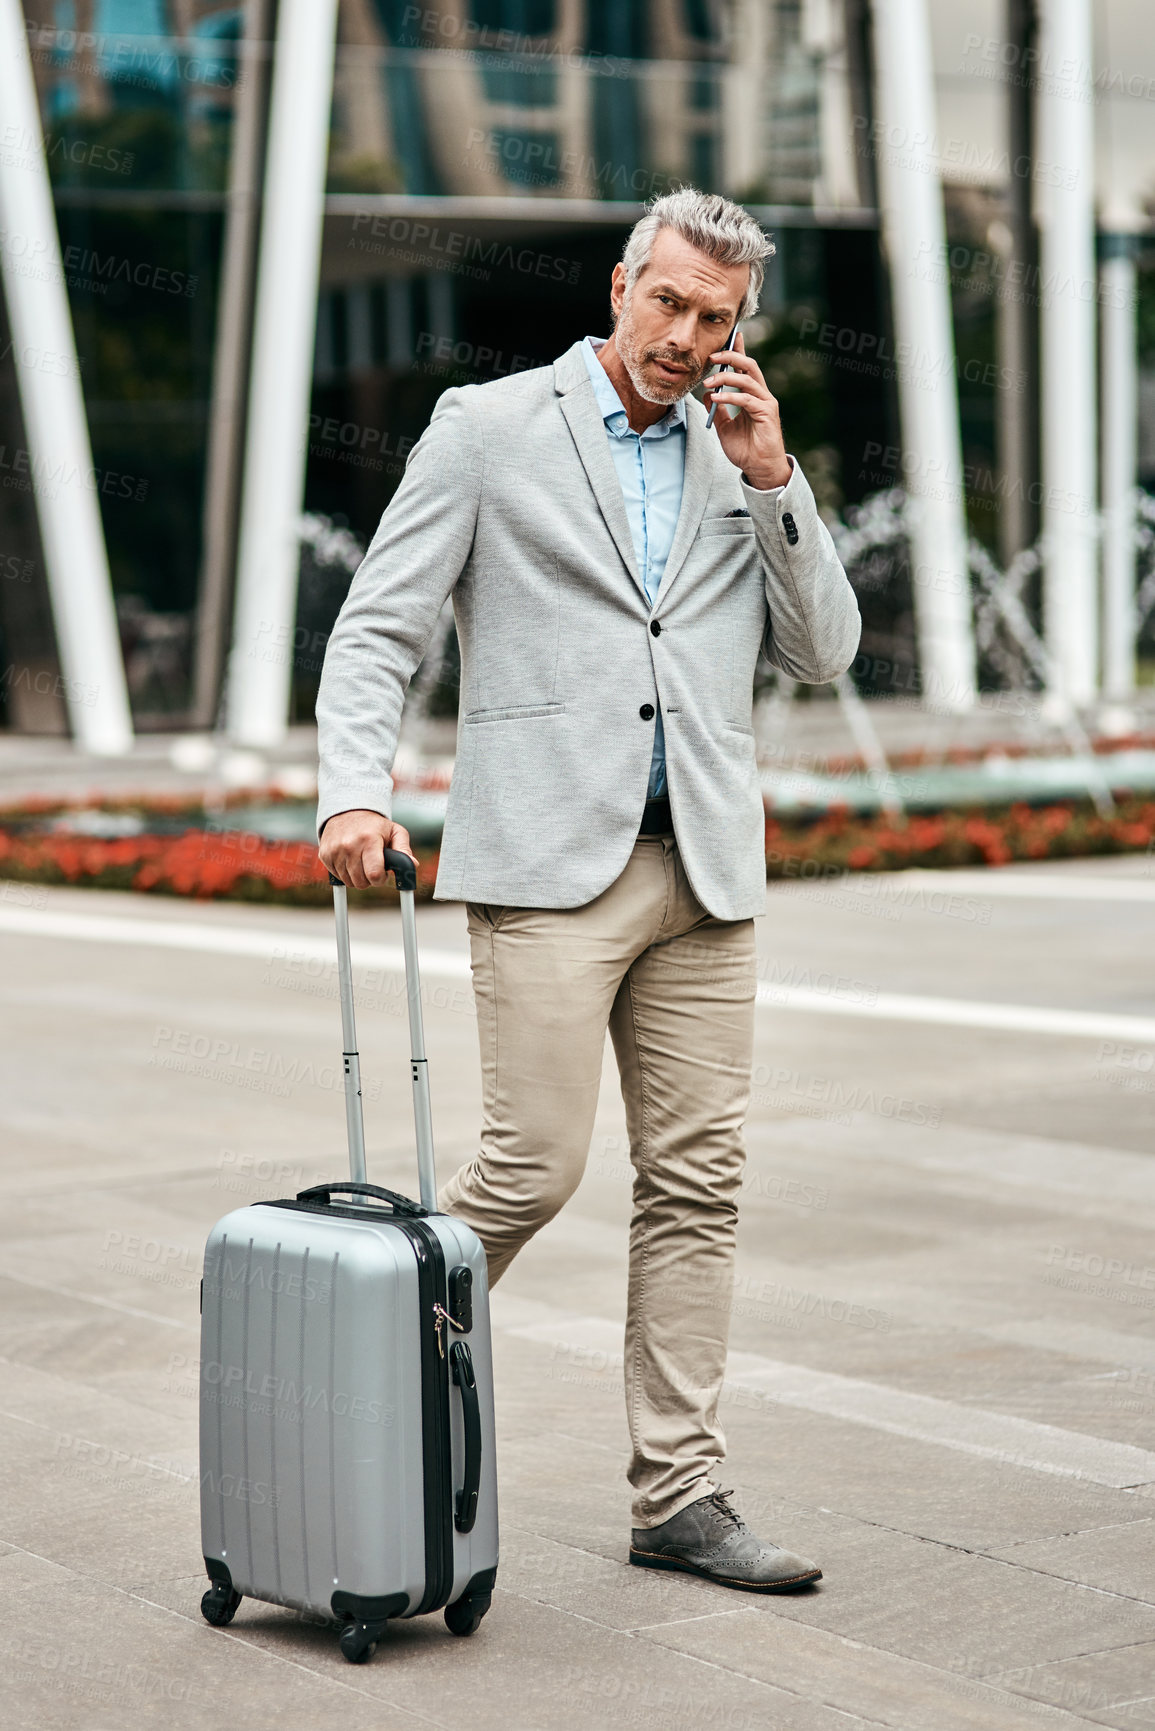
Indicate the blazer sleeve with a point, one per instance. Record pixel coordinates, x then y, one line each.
414 560
814 624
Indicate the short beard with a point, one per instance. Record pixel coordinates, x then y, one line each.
634 359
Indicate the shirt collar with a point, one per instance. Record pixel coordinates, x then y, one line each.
613 412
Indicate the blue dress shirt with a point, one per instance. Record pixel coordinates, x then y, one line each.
651 468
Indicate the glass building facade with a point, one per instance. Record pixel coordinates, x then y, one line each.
486 160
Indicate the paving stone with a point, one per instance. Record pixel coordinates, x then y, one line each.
1119 1559
849 1675
1115 1687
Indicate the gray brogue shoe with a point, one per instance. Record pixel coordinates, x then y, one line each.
711 1539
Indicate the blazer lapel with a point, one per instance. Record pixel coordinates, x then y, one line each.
580 409
695 491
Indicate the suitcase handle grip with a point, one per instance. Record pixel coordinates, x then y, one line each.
461 1361
402 866
324 1193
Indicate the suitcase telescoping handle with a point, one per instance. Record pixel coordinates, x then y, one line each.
405 873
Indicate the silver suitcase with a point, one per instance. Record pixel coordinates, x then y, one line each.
346 1386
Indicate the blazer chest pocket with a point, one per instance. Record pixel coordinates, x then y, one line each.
726 526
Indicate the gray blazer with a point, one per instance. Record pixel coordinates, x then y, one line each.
510 500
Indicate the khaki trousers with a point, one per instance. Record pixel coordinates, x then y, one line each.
675 987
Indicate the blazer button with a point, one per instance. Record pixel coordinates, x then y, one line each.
791 528
646 712
655 628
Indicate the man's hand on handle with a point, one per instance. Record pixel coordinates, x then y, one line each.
353 846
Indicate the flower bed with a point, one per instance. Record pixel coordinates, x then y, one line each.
205 863
214 862
844 841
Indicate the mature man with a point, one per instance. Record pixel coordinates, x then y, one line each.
615 567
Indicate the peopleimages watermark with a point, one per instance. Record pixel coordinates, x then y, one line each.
78 1452
282 1397
14 569
990 272
38 360
873 353
31 474
589 1366
1126 1067
23 895
459 250
792 1089
150 1259
350 442
1031 67
767 1300
877 895
613 1163
380 989
222 1060
247 1169
1089 1272
81 267
638 1701
926 153
927 477
21 148
466 34
477 357
106 268
42 683
777 980
533 161
124 59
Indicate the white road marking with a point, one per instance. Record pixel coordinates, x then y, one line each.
218 939
269 945
1045 886
592 1344
963 1013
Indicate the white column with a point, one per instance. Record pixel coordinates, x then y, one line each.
1065 172
260 667
914 234
1120 454
48 376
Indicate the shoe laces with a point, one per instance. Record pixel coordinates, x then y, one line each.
720 1506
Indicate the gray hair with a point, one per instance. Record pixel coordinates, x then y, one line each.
722 230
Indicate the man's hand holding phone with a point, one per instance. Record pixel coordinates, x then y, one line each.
753 439
353 847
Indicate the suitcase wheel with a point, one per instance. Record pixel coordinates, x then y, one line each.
465 1616
359 1641
219 1605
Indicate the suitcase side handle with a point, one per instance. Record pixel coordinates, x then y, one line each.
461 1362
400 1204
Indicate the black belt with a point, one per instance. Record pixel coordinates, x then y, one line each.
656 819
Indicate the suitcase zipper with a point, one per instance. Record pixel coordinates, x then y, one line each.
443 1317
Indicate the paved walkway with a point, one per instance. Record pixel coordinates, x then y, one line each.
943 1362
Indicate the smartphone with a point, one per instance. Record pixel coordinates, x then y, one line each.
721 368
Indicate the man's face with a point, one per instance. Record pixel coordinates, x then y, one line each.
681 308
